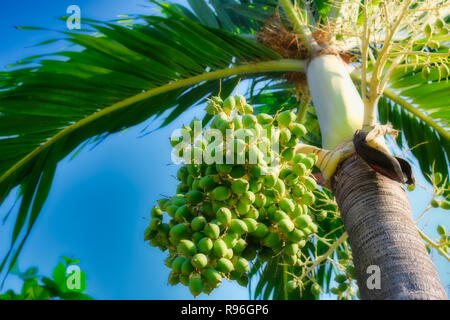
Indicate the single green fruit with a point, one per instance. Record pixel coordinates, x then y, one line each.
224 265
286 225
298 129
243 280
205 245
264 118
198 223
194 196
219 248
285 118
238 172
224 168
186 247
179 231
435 203
287 205
248 197
212 277
212 230
207 183
261 230
296 235
199 261
340 278
224 215
445 205
156 213
441 230
177 263
173 279
242 265
240 186
221 193
308 198
238 226
187 267
196 285
241 244
251 224
291 248
228 105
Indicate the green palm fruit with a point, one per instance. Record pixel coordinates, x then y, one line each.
285 118
248 109
280 187
224 168
196 237
163 203
240 186
264 118
280 215
343 255
221 193
435 203
288 154
242 208
219 248
322 215
240 103
228 105
298 191
270 180
298 157
242 265
251 224
248 120
272 240
428 30
310 183
190 180
224 265
303 221
199 261
296 235
187 267
178 200
247 197
182 188
255 185
342 287
241 244
238 226
231 239
155 223
261 230
205 245
300 169
298 129
184 279
207 183
290 259
285 135
229 254
291 248
212 108
445 205
182 213
212 277
196 284
441 230
260 200
298 210
212 230
198 223
156 213
224 215
291 285
238 172
237 122
243 280
256 172
195 186
211 170
284 172
194 197
187 248
286 225
287 205
439 23
164 228
308 198
194 169
179 231
434 44
426 72
207 209
177 263
340 278
173 279
350 270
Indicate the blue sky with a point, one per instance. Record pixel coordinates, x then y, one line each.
99 201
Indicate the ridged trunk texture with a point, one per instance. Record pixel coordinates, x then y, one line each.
377 217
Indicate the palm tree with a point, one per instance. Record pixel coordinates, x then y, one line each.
294 55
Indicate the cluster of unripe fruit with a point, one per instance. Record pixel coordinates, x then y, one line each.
224 216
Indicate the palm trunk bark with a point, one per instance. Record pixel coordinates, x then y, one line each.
377 217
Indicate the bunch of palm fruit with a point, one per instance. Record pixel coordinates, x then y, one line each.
224 215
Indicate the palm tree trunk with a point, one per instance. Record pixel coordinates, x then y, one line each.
377 217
